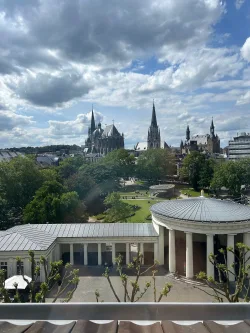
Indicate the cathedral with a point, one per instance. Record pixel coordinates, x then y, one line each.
209 143
154 137
102 141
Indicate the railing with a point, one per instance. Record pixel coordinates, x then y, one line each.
126 311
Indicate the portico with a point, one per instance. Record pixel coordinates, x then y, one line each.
200 226
80 244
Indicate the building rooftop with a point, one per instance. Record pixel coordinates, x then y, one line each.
203 209
41 236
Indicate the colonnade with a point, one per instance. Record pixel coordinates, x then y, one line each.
99 252
209 250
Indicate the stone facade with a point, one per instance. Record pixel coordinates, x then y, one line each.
102 141
209 143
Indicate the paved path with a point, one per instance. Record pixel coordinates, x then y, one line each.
181 291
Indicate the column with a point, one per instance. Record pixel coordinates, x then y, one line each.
142 252
161 245
189 255
71 250
42 273
85 254
210 249
246 238
230 256
11 270
172 259
27 267
113 253
99 254
57 252
156 256
127 253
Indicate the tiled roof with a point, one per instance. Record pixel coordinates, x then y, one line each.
110 130
93 230
203 209
41 236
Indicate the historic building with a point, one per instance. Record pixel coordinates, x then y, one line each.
154 137
209 143
102 141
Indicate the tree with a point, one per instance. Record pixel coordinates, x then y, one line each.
222 290
118 210
197 169
104 175
123 162
50 204
19 180
69 166
64 276
132 291
232 175
155 164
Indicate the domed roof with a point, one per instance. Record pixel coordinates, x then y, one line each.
202 209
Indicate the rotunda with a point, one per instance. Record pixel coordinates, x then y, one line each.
190 229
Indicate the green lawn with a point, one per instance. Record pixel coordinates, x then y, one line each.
142 213
191 192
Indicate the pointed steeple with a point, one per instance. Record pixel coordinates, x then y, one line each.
212 128
181 145
92 126
153 119
188 133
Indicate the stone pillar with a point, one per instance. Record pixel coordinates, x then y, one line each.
161 245
210 249
246 238
85 254
172 259
127 253
230 255
99 254
142 252
156 255
71 250
58 252
189 256
11 270
42 273
27 267
113 253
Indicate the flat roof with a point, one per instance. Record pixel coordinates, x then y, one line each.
41 236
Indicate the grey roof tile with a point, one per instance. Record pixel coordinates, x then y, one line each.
203 209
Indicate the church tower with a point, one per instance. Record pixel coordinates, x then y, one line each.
212 129
154 136
92 125
188 133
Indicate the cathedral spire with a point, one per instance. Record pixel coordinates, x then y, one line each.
188 133
153 119
212 128
92 126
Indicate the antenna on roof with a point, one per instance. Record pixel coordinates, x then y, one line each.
113 121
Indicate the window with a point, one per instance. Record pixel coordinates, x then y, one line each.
19 268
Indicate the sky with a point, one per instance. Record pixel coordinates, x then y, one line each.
59 57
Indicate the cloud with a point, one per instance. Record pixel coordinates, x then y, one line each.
10 120
73 127
245 50
244 99
51 90
239 3
236 123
